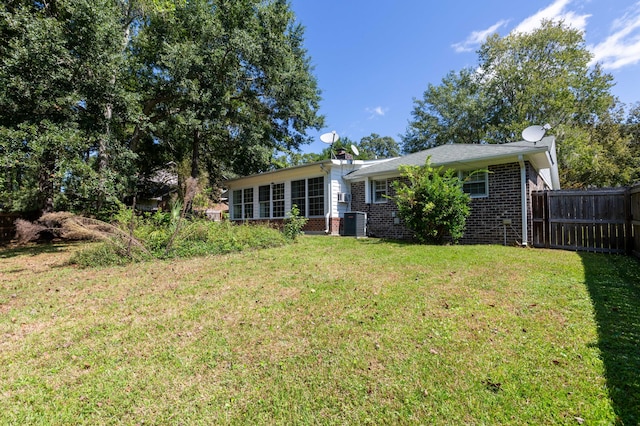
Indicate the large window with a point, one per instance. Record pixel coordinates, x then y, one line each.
299 195
316 196
476 184
237 204
271 200
379 191
243 203
264 198
308 195
278 199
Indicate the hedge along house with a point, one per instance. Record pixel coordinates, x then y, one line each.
329 190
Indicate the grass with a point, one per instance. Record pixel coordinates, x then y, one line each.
323 331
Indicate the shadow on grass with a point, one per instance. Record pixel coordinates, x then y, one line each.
614 285
7 252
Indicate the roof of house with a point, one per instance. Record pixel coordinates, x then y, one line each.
467 156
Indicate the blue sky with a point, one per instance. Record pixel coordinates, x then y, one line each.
372 58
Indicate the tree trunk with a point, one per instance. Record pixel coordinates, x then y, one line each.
103 156
195 146
45 183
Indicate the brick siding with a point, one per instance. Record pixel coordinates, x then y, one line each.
382 220
485 224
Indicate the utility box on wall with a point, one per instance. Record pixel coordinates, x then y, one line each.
355 224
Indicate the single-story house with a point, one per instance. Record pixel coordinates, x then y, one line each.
340 194
155 191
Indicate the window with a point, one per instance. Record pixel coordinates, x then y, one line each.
379 191
237 204
475 183
316 196
299 195
308 195
248 203
278 199
243 203
264 198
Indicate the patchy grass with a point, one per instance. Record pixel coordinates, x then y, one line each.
323 331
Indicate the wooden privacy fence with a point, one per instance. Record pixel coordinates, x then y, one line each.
634 209
598 220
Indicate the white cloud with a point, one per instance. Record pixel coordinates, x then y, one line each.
476 38
556 11
622 46
376 112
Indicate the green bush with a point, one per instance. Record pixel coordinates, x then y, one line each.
432 203
294 223
106 253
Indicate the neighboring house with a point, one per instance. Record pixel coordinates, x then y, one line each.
327 190
156 191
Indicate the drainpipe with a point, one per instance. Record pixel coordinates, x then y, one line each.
523 189
327 201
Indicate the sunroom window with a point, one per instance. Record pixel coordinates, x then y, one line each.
243 203
308 195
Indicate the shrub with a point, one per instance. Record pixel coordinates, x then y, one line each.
107 253
294 223
432 203
197 237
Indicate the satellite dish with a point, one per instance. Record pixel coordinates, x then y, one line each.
354 149
329 138
535 133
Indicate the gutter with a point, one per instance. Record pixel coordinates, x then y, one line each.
523 196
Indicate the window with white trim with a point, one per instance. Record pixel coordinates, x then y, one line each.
271 200
277 192
243 203
379 191
316 196
299 195
264 199
308 195
475 183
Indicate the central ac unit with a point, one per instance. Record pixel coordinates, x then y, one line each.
343 197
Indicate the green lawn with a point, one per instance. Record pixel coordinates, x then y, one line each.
324 331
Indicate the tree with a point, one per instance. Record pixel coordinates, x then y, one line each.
608 161
41 99
231 83
632 129
95 94
376 146
432 203
456 111
521 79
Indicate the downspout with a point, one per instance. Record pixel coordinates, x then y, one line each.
523 195
327 200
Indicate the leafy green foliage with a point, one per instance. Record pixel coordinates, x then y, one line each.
376 146
197 237
96 95
432 203
293 223
524 79
369 148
